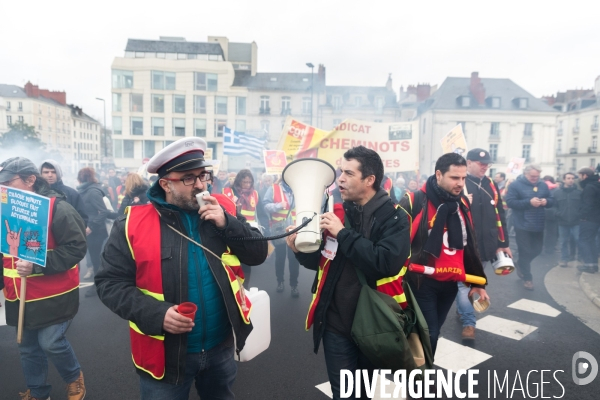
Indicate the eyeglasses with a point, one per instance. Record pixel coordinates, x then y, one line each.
189 180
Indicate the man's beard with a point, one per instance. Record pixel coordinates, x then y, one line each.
183 202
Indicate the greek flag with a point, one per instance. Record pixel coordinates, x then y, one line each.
238 143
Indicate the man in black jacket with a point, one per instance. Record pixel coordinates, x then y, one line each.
567 200
171 351
52 173
589 214
487 211
375 242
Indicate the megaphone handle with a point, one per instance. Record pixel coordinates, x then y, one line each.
330 203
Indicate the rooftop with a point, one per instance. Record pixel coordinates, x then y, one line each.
276 81
173 46
14 91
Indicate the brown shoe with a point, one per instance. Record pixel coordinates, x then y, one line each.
468 333
27 396
528 285
76 390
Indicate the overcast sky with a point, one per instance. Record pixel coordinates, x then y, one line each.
544 46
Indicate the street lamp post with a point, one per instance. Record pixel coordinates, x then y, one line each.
104 131
312 89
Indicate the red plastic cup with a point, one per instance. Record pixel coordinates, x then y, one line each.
187 309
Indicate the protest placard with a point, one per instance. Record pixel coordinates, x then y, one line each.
396 143
24 229
455 142
515 167
275 161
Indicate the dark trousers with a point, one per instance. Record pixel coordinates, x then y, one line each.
587 242
550 236
95 243
435 298
530 246
281 250
342 353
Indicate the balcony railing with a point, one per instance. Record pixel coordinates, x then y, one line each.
573 150
592 149
286 111
265 110
575 129
559 132
594 128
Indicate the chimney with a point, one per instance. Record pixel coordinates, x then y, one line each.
423 91
321 75
477 89
388 84
34 91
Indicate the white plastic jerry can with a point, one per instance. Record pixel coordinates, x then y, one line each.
260 316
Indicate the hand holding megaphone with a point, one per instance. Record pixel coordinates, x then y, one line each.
332 223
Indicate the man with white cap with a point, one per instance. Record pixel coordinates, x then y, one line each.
173 251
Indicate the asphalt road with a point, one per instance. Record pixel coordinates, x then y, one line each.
290 370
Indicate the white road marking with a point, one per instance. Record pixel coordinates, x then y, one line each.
505 327
454 356
325 388
535 307
85 284
389 389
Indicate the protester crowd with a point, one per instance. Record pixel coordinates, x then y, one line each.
118 221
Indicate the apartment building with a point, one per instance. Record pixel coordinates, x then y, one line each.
496 114
87 140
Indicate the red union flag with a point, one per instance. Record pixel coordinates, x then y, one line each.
275 161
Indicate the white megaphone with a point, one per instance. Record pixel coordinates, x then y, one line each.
308 178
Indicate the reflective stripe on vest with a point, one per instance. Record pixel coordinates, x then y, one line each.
142 229
392 286
498 220
39 286
278 197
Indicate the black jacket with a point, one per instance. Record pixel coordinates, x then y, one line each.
92 195
68 230
116 281
472 261
380 256
590 200
484 217
567 202
140 193
72 197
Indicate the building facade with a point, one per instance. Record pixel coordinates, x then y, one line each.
496 115
87 140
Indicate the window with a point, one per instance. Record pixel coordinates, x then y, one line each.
465 101
20 106
199 104
264 105
204 81
595 123
240 125
495 102
523 103
158 103
221 105
148 148
265 125
575 145
200 127
526 152
492 172
495 129
379 104
358 101
163 80
122 79
137 126
240 106
178 126
573 165
117 148
8 106
594 142
494 152
424 125
337 102
20 118
336 122
158 126
136 102
559 146
286 105
171 56
220 124
592 163
306 105
179 104
528 130
9 119
128 148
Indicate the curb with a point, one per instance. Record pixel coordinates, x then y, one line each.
587 289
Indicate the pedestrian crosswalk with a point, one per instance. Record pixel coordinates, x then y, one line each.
454 356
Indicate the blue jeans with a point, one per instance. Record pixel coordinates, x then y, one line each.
464 306
435 299
587 242
567 235
213 373
37 346
342 353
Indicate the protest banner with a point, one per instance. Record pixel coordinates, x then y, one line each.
25 224
515 167
396 143
275 161
455 142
